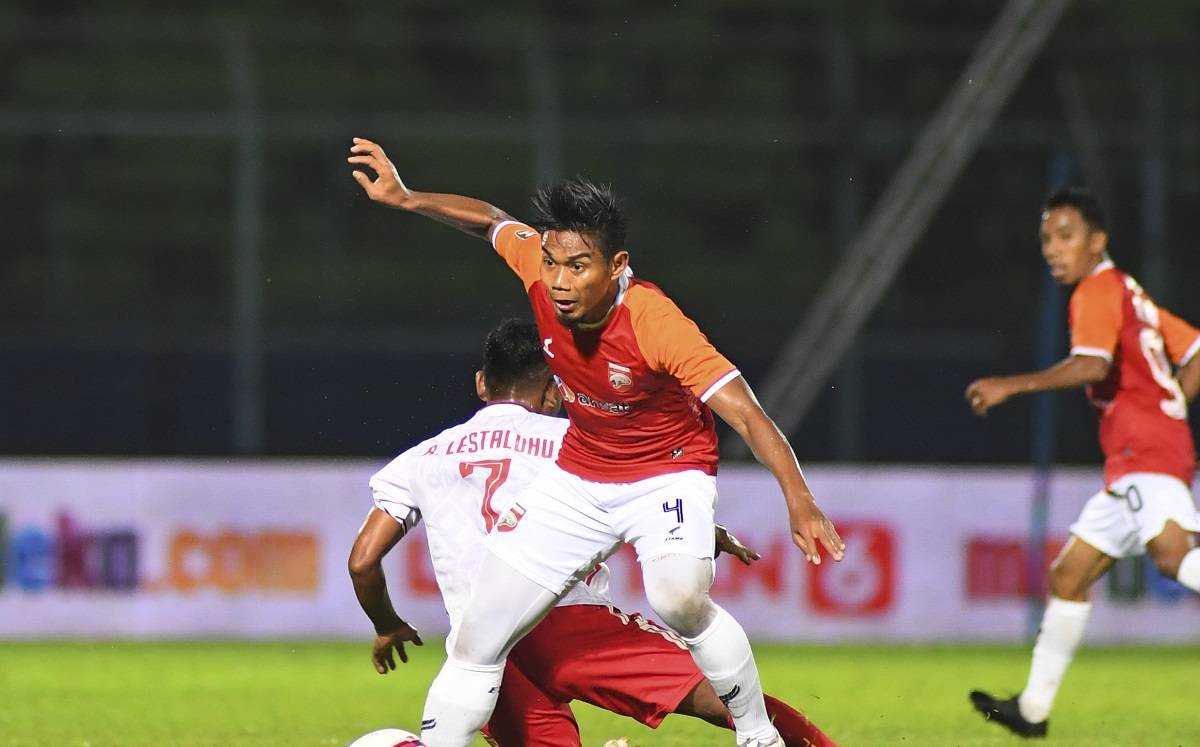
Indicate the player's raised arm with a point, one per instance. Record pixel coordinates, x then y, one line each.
379 534
467 214
738 407
1073 371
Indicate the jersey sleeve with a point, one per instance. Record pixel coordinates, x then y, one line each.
672 343
521 247
1181 338
393 491
1096 317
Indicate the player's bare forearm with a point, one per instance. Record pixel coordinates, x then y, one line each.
467 214
378 534
1069 373
737 406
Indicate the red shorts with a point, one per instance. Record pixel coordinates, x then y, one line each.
622 663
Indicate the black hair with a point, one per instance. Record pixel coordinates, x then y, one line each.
1083 200
512 356
581 206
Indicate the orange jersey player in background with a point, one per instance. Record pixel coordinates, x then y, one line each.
1124 350
638 461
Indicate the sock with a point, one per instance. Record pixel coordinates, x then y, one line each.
1189 570
793 726
1060 634
723 653
460 701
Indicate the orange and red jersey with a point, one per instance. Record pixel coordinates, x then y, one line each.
635 387
1143 411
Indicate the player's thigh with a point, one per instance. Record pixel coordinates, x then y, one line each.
673 516
1156 501
623 663
554 533
1077 567
504 605
527 716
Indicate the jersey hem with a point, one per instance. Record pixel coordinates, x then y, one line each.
716 385
626 475
1191 352
496 230
1092 352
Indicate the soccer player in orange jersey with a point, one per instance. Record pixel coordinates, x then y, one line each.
638 461
1140 367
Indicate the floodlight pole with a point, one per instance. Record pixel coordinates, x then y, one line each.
246 267
844 304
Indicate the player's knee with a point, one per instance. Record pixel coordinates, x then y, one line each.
1167 561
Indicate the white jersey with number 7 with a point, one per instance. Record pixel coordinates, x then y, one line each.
467 481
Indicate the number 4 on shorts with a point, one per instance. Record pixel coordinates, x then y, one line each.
676 507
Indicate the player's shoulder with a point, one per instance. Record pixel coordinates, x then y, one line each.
1107 282
647 301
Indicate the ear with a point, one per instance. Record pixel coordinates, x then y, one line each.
480 387
1098 243
551 398
619 263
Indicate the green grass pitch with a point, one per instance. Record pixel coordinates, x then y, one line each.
215 694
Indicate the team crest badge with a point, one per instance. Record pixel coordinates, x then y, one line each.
619 377
511 518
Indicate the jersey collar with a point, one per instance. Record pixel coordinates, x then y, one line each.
1105 264
504 406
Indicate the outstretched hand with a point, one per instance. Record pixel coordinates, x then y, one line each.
381 651
809 526
386 187
726 542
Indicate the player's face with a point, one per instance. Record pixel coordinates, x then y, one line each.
583 284
1071 247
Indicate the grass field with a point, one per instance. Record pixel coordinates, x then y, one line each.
233 694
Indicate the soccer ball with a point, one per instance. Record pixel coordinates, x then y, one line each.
388 738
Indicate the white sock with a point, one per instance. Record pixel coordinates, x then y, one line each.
1189 570
460 701
723 653
1061 632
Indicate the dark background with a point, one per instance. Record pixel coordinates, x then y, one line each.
187 268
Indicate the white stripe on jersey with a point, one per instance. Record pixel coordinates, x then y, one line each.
463 481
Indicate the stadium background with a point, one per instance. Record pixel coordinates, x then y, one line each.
202 317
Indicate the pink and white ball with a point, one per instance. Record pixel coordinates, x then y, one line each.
388 738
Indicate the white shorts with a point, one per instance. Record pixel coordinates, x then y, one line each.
565 525
1120 520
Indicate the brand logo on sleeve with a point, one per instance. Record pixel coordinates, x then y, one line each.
525 234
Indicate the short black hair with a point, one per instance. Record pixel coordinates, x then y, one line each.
1083 200
581 206
512 356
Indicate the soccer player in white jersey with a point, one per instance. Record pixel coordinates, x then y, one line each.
461 483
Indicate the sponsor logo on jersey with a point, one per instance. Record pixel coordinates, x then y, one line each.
619 377
617 408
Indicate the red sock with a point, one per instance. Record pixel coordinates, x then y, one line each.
794 726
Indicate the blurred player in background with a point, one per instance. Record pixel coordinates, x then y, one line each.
462 483
638 461
1124 349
